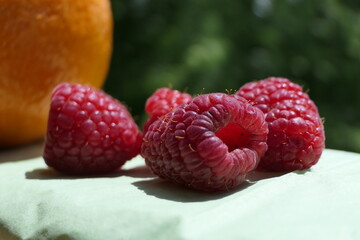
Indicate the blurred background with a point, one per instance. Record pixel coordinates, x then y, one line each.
208 45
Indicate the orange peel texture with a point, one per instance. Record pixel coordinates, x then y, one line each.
43 43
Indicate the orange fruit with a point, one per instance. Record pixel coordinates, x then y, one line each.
43 43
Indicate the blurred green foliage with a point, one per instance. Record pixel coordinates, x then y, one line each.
208 45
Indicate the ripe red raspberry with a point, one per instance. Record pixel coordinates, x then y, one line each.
296 132
208 144
162 101
88 131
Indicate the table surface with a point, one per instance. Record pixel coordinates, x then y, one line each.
39 203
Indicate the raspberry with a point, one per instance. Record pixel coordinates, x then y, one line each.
208 144
296 132
162 101
88 131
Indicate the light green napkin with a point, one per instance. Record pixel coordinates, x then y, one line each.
39 203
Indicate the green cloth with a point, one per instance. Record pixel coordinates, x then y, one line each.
322 203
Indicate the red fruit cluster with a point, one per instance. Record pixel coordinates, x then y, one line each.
212 141
209 142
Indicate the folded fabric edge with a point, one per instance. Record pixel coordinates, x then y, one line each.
5 234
